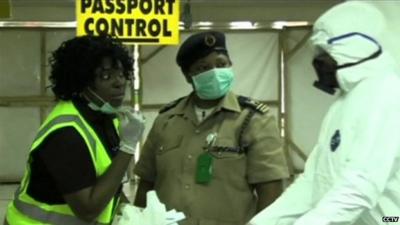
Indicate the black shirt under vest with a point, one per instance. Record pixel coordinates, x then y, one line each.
62 163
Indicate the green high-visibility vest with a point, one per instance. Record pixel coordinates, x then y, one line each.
26 210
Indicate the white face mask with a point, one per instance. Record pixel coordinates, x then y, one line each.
106 107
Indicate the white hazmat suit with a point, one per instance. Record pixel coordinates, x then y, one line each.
352 176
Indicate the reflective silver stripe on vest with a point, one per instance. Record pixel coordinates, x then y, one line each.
39 214
66 119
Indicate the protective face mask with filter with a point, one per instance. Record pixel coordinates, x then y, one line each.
326 67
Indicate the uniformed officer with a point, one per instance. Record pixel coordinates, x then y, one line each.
213 155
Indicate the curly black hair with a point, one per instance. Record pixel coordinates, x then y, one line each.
74 62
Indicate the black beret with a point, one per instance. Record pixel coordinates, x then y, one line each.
198 46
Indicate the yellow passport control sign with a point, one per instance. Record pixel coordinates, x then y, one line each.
133 21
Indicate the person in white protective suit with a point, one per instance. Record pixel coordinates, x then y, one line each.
352 176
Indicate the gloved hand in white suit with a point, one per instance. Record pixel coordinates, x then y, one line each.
154 214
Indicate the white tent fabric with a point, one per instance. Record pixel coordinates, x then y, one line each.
19 76
19 72
18 129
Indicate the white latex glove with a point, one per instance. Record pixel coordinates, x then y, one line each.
157 214
131 129
155 211
131 215
154 214
173 217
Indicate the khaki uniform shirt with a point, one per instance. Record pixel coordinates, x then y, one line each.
169 159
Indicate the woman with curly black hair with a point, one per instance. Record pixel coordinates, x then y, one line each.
82 150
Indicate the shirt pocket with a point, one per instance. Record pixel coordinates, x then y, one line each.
167 154
227 148
168 145
229 164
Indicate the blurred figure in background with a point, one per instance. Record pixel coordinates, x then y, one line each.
352 176
213 155
82 150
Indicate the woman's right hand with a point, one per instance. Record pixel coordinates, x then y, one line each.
131 129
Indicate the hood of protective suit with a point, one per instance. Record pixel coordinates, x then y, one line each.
330 33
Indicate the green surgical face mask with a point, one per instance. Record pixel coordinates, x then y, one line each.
214 83
104 108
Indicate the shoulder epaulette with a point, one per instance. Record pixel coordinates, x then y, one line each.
170 105
254 105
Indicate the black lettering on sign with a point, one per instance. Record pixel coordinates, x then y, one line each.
132 4
109 6
166 32
146 6
88 22
141 40
154 27
170 6
102 26
85 4
159 7
120 6
125 25
140 26
117 27
129 23
97 7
